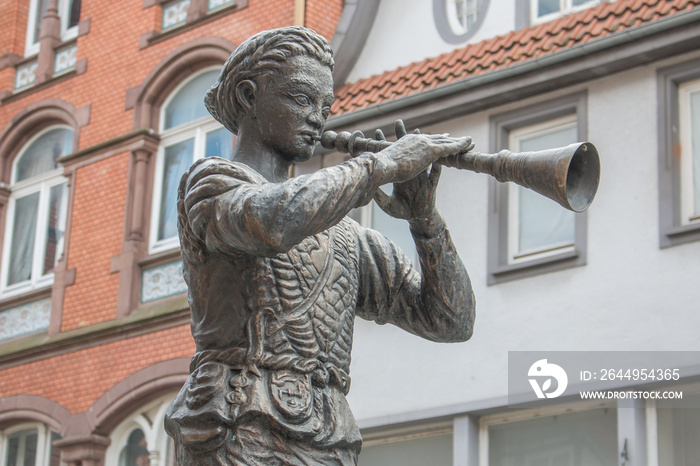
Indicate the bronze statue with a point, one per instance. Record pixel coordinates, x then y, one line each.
277 272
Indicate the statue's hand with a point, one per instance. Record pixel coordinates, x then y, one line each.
414 199
413 153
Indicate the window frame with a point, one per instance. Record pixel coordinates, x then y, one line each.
195 129
31 48
41 184
499 266
157 439
566 7
43 444
672 229
444 21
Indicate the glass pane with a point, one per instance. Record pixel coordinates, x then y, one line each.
545 7
55 226
579 2
219 143
22 243
433 451
695 138
54 453
678 429
395 229
41 7
21 449
135 452
74 11
542 222
41 155
30 449
178 159
188 104
586 438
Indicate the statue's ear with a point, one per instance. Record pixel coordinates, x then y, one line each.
246 91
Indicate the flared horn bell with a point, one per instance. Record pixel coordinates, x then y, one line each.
568 175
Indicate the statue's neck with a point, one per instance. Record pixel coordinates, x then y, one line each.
258 157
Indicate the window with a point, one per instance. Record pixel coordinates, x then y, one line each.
547 10
187 133
36 215
569 438
679 154
538 226
529 233
458 20
141 437
678 423
68 11
29 445
689 109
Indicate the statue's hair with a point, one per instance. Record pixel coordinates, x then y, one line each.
261 54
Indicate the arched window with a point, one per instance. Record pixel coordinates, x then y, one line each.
36 215
187 133
140 440
29 445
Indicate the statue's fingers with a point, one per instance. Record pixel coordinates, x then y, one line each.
416 131
434 176
379 135
400 129
382 199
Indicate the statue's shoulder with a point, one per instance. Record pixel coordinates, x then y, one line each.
221 167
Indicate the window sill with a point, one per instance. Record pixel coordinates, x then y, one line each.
680 235
9 96
540 266
154 37
25 297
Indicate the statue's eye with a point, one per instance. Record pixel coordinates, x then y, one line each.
301 99
326 112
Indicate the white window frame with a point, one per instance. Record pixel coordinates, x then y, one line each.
454 21
566 7
31 47
41 184
687 188
150 419
515 256
43 443
197 129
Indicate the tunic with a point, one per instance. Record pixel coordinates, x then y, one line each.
276 275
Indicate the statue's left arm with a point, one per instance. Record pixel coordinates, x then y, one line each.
436 304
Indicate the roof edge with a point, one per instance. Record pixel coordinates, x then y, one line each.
628 38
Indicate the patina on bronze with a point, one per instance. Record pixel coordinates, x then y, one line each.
277 273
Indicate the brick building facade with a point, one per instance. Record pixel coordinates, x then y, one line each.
83 342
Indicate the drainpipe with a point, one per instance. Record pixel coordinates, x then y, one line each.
299 12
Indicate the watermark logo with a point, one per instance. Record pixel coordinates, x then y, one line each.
546 372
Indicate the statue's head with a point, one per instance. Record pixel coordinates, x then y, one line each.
266 54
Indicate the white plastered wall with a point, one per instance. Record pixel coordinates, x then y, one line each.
630 296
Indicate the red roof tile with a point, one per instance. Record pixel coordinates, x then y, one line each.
499 52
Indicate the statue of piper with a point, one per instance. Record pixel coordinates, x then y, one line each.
277 272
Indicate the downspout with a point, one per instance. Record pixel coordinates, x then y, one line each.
299 12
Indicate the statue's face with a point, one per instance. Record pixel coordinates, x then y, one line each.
292 106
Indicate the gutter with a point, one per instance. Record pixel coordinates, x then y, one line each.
577 51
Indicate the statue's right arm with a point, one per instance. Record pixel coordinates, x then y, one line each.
232 211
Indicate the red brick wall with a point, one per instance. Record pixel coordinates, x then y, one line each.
96 236
76 380
115 63
322 16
